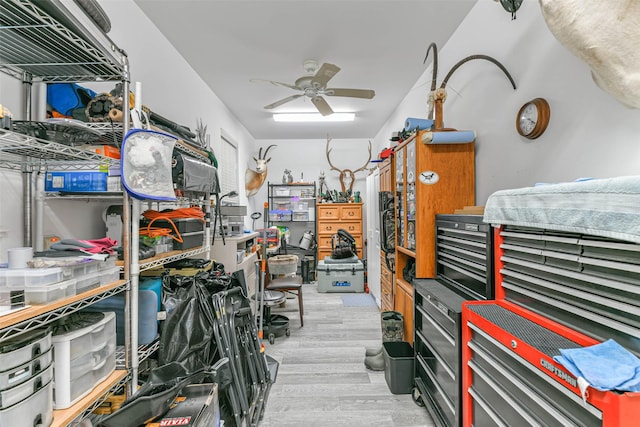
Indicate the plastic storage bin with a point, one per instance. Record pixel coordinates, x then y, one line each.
16 394
80 269
23 348
20 277
280 215
283 264
398 366
36 410
88 281
20 374
301 216
109 276
44 294
80 355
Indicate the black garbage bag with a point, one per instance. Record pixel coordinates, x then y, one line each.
187 332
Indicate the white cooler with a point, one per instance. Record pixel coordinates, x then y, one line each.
340 277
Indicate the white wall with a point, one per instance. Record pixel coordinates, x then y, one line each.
590 133
169 87
308 157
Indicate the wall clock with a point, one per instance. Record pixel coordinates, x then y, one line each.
533 118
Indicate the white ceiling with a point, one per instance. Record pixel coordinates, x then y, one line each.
379 45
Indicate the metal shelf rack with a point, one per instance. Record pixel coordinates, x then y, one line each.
55 41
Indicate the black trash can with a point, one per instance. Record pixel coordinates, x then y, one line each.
307 269
398 366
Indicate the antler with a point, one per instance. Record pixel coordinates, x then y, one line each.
364 167
267 150
328 151
434 75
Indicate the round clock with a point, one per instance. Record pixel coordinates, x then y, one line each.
533 118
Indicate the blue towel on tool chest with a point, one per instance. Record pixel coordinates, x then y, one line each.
605 366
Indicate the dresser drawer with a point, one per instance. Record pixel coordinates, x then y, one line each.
351 212
328 212
353 227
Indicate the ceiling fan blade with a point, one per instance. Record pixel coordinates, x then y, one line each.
324 74
282 101
353 93
322 105
275 83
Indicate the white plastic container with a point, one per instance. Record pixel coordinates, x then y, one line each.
88 281
10 298
109 276
46 294
21 349
36 410
14 395
107 264
80 269
18 278
283 264
80 356
24 372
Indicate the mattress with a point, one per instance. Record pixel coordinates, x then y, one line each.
600 207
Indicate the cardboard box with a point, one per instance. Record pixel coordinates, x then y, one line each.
80 182
197 406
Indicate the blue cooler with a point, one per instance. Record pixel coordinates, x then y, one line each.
149 304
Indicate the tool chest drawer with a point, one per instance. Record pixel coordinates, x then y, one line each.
437 345
464 254
438 403
512 378
591 284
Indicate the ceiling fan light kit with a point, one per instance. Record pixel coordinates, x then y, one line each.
313 85
313 117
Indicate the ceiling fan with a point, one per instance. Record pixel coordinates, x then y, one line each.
314 85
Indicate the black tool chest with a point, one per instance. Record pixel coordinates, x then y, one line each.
464 254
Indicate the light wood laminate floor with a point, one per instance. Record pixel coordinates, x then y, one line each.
322 380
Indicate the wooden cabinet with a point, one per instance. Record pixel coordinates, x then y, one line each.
430 179
386 175
386 286
333 216
403 303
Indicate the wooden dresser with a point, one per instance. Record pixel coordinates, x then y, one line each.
331 217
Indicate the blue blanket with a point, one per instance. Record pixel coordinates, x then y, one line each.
604 366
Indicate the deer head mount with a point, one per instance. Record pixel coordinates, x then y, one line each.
347 176
255 178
